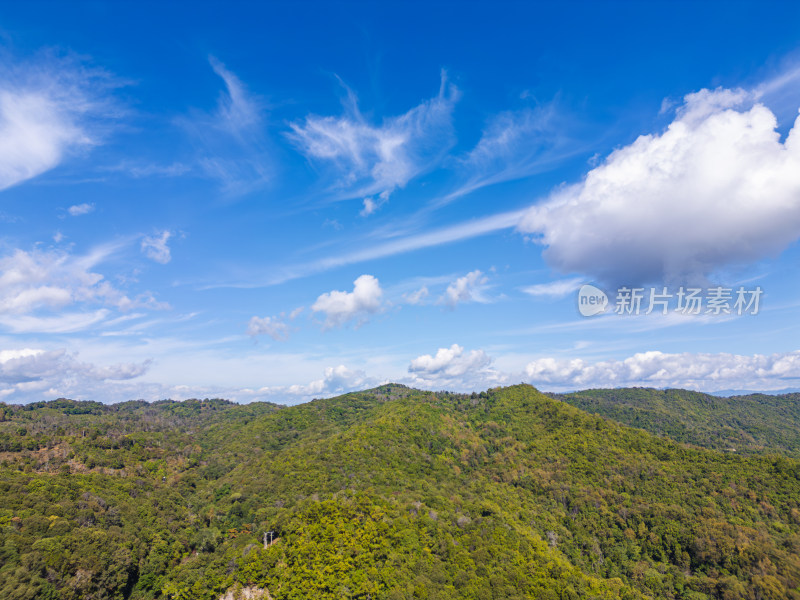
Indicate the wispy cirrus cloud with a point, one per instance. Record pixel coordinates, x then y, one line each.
778 89
50 107
370 161
375 250
554 289
62 322
515 145
142 169
418 241
232 144
237 110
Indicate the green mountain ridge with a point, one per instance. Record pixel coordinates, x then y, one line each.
388 493
752 423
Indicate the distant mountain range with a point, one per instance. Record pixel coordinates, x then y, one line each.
752 423
752 392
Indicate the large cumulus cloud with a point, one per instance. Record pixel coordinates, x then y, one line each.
718 187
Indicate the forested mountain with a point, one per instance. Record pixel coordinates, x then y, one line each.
755 423
389 493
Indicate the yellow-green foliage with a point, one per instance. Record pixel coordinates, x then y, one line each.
390 493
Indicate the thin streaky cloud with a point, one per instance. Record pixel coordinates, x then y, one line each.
140 170
63 323
438 237
788 77
627 324
554 289
444 235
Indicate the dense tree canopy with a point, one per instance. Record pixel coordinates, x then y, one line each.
389 493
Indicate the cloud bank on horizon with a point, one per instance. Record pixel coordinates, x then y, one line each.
216 226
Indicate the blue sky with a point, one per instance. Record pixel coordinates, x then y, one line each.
280 201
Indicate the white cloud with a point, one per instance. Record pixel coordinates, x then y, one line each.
718 188
155 247
337 380
31 282
554 289
48 109
373 204
36 279
469 288
7 355
274 328
341 307
378 159
417 297
50 368
453 368
80 209
28 374
657 369
451 362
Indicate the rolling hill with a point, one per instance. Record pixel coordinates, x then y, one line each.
388 493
